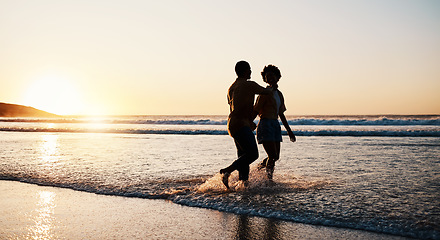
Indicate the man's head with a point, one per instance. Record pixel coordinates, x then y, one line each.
243 69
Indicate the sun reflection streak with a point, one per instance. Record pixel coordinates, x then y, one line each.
44 220
49 162
96 123
48 148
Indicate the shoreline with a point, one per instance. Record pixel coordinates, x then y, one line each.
33 211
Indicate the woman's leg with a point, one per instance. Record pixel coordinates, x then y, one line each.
273 152
263 163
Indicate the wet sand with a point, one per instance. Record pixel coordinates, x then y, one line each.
36 212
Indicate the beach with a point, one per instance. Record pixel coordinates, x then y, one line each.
40 212
117 117
157 177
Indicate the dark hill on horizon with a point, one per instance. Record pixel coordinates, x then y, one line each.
15 110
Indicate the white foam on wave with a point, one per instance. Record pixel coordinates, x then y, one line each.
368 121
390 120
428 132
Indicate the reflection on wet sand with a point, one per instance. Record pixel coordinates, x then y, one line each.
43 215
257 228
44 219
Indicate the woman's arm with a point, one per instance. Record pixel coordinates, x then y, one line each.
286 125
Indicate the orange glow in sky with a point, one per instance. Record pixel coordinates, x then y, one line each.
53 94
178 57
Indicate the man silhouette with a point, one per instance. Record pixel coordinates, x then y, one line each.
241 95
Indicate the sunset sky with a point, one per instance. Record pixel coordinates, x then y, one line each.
178 57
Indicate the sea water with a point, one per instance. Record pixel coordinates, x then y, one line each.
374 173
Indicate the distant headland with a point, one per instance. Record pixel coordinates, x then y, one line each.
15 110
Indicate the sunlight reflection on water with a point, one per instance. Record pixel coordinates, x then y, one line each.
48 148
44 220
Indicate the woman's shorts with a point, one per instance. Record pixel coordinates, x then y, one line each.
269 130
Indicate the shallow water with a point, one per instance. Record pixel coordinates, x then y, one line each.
371 125
381 184
37 212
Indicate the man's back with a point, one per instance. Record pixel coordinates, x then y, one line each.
241 97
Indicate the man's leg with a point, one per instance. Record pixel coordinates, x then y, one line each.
245 140
247 150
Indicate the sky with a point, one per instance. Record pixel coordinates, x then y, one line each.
177 57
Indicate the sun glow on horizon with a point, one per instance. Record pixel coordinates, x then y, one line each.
54 94
145 57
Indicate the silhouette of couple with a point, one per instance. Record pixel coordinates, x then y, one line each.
269 106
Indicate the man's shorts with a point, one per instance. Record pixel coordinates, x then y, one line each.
269 130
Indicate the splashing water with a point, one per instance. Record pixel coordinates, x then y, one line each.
259 183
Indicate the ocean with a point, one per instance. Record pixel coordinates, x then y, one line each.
374 173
